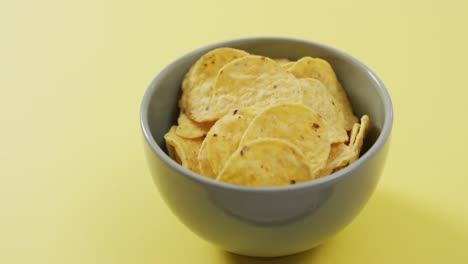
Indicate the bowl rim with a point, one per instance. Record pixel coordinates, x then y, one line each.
370 153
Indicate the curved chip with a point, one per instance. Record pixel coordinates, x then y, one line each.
188 128
172 153
317 97
353 134
204 165
282 61
342 155
255 121
185 149
287 65
297 124
266 162
308 67
197 83
223 139
251 81
363 130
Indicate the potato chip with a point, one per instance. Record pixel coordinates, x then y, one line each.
251 81
198 81
363 130
308 67
297 124
282 61
185 149
342 155
188 128
266 162
317 97
287 65
224 137
255 121
204 165
172 153
353 134
336 150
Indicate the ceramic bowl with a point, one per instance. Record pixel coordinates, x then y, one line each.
268 221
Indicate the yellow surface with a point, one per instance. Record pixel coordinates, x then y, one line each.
74 185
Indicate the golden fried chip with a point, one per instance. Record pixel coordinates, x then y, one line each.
223 138
353 134
317 97
282 61
255 121
251 81
204 165
185 149
297 124
287 65
188 128
308 67
363 130
197 83
342 155
266 162
171 151
336 150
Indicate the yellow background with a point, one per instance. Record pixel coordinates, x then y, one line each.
74 184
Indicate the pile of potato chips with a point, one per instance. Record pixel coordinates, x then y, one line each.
255 121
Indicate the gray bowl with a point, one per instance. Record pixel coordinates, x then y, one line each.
268 221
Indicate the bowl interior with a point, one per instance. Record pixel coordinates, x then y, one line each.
366 93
